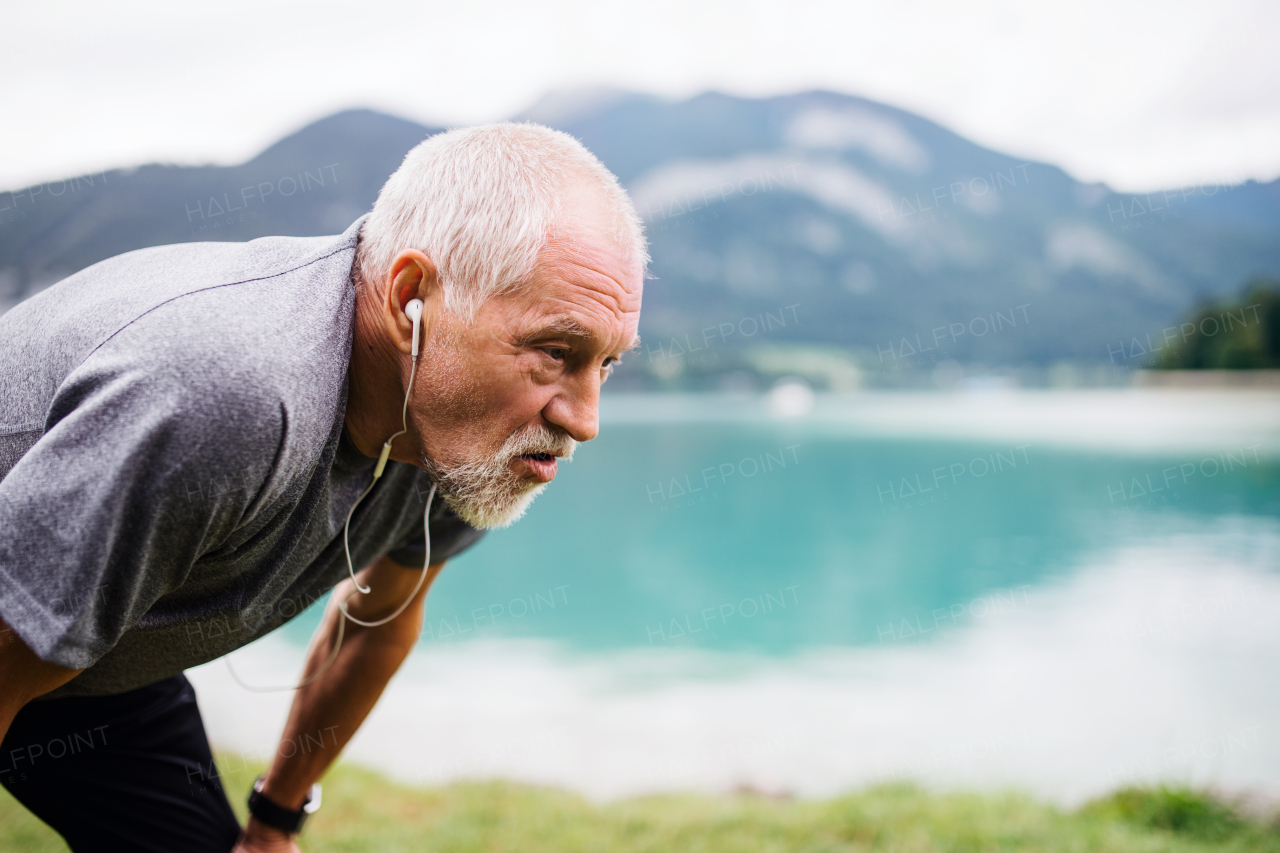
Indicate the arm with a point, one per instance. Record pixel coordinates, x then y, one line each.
23 676
332 707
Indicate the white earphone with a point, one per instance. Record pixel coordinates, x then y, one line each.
414 312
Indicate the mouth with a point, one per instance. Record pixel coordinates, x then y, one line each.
541 465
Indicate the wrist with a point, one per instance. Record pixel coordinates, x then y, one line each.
286 795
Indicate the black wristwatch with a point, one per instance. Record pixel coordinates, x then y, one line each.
277 816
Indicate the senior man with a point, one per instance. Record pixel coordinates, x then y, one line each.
189 447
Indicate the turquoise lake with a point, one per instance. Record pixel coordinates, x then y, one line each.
665 534
1062 592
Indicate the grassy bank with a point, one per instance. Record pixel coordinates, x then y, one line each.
363 811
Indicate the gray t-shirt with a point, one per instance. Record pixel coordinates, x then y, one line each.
174 466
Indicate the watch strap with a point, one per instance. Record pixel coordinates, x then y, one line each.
277 816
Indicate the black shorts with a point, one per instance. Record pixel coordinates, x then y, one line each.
130 772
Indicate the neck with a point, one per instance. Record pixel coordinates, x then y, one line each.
375 387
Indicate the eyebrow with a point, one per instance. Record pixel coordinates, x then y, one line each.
569 327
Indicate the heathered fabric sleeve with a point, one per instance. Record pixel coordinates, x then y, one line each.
450 536
139 471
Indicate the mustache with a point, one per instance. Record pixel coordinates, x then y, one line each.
537 438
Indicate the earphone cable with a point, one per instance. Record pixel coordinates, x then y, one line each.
346 547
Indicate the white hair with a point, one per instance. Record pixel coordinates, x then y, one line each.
481 202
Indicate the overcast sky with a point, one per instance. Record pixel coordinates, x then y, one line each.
1139 95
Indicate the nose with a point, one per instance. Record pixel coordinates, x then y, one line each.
576 409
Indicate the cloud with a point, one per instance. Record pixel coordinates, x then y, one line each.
1076 245
882 138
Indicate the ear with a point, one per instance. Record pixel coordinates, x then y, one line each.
413 276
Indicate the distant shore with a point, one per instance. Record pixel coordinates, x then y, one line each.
1268 380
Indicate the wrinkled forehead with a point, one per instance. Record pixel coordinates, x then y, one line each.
602 270
582 288
589 219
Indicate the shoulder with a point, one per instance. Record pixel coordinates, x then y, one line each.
246 280
164 272
228 304
204 350
269 321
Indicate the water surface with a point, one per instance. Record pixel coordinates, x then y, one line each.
1062 592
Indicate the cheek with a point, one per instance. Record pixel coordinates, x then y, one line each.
522 392
481 391
512 394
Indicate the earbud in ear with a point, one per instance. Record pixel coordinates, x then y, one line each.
414 310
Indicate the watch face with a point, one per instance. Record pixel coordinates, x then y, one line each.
312 805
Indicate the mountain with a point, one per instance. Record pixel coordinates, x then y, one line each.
315 181
813 233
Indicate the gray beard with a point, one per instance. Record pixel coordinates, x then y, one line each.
485 493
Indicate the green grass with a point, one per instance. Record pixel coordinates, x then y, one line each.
364 812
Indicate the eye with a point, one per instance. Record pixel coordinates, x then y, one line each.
558 353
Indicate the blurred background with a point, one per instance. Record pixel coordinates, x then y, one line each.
952 449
